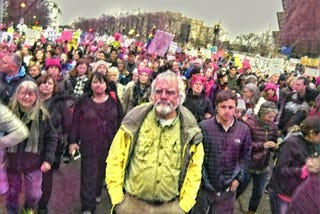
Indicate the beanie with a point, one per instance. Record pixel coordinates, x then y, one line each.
53 62
270 85
145 70
197 78
98 63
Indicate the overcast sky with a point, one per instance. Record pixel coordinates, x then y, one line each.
236 16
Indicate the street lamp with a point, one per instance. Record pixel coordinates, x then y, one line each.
22 5
216 30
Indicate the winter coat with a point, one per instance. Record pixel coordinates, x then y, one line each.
260 133
293 152
227 153
294 109
124 143
21 161
60 113
94 125
307 196
134 96
199 105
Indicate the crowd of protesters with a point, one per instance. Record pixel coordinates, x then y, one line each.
167 134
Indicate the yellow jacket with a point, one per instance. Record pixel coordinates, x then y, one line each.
123 143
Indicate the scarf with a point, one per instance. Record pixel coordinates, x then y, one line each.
140 95
33 139
79 87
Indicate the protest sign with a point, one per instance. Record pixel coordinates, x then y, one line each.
173 47
32 36
160 43
314 72
66 35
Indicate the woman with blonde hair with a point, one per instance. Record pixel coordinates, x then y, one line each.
35 155
138 92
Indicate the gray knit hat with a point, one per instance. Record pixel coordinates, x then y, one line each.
267 107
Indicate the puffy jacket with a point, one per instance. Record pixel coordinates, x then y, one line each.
260 133
286 176
227 153
123 145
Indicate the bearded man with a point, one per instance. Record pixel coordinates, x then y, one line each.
154 163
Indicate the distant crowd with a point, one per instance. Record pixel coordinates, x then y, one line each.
170 134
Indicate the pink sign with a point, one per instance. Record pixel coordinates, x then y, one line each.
66 35
160 43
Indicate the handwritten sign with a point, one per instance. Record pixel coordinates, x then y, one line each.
32 36
314 72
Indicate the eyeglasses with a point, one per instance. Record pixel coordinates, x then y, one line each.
159 92
25 93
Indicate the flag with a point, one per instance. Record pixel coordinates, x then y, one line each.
150 37
286 50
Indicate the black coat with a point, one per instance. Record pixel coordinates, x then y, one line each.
21 161
60 113
198 105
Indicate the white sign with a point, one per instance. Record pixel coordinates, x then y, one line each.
173 47
314 72
52 35
276 65
206 53
32 36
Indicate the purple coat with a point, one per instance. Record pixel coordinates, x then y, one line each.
94 125
260 133
286 176
227 153
306 198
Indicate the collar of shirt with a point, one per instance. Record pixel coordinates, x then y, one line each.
21 73
226 128
166 123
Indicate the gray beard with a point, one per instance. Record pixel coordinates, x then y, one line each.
164 110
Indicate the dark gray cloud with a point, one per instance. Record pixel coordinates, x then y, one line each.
237 17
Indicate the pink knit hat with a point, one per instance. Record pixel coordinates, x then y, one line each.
197 78
53 62
145 70
269 85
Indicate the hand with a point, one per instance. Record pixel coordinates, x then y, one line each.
45 167
245 117
234 185
269 144
313 165
207 115
72 148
